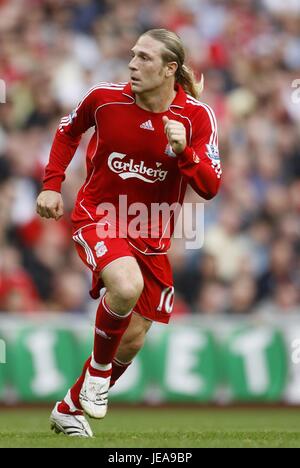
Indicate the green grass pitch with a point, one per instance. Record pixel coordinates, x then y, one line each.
160 428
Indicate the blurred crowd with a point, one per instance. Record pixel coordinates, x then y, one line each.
53 51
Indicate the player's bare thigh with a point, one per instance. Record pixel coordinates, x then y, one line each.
124 284
133 338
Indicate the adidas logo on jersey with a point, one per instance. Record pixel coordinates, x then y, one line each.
147 125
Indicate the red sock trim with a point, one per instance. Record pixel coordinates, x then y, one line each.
111 312
64 408
99 373
118 369
121 364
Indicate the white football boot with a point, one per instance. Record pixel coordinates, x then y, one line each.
94 395
70 425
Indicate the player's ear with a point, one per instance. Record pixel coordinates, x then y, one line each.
171 69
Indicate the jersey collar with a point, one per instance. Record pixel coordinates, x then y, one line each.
179 100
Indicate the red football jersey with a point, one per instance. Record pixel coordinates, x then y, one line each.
129 156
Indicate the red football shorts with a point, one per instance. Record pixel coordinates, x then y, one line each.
156 300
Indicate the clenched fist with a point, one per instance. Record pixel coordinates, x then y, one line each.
176 134
49 204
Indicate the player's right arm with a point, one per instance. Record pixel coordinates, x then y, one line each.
64 146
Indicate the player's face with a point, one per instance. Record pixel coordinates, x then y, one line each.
147 70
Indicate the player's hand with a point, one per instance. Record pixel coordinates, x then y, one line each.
176 134
49 204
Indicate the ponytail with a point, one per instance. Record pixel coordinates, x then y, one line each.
186 78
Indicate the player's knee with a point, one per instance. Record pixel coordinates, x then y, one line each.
124 284
125 292
129 291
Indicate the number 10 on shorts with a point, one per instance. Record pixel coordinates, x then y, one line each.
166 300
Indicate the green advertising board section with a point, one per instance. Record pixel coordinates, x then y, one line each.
256 364
43 363
186 363
180 363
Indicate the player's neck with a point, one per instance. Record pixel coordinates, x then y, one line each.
156 101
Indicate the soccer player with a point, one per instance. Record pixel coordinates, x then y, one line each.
152 138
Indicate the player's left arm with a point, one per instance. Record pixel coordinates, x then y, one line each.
198 160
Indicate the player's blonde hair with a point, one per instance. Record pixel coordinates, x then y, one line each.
174 52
